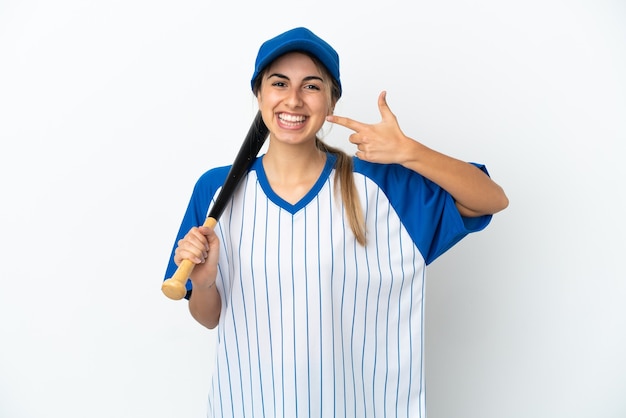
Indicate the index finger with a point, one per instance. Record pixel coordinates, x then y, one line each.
346 122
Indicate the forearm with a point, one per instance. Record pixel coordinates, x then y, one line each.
474 192
205 306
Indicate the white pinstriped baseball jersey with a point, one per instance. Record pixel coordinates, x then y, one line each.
312 323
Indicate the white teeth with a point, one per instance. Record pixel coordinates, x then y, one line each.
291 118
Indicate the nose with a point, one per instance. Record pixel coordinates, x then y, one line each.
293 98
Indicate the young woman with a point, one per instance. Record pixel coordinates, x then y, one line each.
314 274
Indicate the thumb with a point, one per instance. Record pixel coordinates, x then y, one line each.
383 107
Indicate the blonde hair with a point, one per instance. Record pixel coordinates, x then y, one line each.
344 181
344 178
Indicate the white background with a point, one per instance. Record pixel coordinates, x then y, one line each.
110 110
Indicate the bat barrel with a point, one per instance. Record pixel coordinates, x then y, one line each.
247 153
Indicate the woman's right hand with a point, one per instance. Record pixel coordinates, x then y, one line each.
200 246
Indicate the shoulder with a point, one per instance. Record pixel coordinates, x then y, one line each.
214 176
213 179
208 184
392 178
374 170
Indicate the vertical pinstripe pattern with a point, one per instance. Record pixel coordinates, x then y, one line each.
312 324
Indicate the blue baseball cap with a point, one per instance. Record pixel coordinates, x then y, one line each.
298 39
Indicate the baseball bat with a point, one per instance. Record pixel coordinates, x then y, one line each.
175 287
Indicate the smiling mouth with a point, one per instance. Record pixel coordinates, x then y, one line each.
291 120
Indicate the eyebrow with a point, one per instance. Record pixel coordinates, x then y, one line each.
308 78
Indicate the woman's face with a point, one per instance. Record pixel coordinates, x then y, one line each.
294 98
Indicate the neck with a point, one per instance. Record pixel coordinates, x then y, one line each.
292 174
294 163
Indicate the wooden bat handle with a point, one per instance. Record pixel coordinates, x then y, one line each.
176 286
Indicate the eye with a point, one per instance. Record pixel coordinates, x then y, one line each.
312 87
279 84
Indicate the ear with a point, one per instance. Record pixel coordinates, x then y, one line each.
331 106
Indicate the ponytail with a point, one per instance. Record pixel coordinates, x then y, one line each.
344 180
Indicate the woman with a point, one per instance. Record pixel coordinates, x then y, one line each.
315 271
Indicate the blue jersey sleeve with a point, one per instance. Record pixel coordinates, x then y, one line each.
427 211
